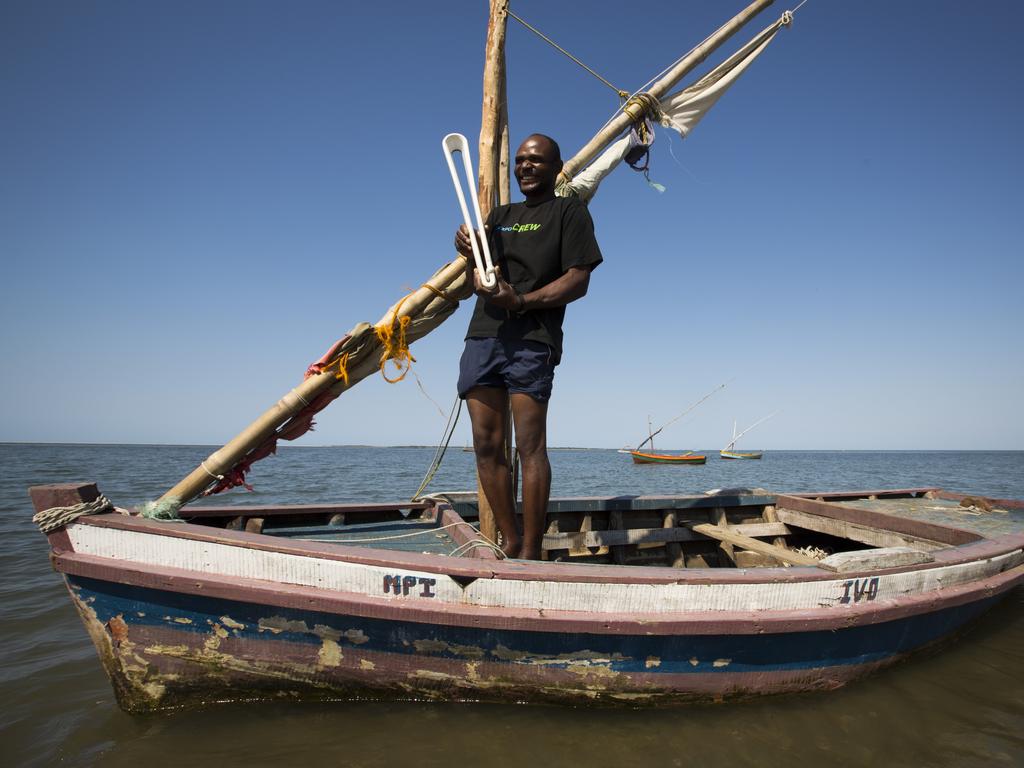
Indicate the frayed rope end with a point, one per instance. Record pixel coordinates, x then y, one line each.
164 509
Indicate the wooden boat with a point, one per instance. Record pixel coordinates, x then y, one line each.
650 457
730 452
740 454
641 600
641 457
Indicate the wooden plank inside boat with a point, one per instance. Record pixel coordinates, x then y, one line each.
665 537
615 521
771 516
581 540
673 551
876 537
876 559
746 542
665 531
720 520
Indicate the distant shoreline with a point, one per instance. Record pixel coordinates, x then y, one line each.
550 448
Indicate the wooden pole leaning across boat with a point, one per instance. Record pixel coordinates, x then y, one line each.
660 89
493 188
449 280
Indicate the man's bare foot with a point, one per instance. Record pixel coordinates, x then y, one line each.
529 553
511 548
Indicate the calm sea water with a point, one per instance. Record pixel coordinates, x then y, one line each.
961 707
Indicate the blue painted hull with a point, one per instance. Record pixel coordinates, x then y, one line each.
189 648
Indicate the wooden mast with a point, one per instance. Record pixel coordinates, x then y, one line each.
651 435
632 111
494 185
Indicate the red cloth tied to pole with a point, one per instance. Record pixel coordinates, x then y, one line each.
301 423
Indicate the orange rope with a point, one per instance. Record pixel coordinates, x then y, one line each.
342 362
439 293
392 336
396 348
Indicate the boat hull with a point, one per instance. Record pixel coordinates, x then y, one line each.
167 650
740 454
193 613
667 458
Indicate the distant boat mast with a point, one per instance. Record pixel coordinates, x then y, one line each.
736 437
650 435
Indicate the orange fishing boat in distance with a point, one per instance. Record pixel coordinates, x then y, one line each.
649 457
639 457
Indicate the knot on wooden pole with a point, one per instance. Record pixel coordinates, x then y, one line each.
392 336
640 106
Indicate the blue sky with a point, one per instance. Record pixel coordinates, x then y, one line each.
198 198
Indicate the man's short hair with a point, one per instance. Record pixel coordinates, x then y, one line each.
552 142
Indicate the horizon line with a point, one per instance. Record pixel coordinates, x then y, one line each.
550 448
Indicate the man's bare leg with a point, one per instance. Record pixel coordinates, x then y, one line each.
487 407
530 418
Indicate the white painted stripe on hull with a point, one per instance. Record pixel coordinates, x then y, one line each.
226 560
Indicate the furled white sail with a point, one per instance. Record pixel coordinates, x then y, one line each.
681 110
684 109
585 185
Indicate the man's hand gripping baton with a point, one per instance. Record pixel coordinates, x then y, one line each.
456 142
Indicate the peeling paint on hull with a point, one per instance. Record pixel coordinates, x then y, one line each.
228 650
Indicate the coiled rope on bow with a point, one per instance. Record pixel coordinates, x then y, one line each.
54 518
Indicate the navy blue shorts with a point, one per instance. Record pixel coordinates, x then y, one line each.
518 366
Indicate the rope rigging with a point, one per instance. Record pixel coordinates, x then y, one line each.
621 93
435 464
786 20
655 433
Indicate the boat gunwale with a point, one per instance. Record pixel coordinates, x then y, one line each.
754 622
977 547
725 497
256 510
938 493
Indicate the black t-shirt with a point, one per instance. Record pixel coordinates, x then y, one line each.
533 245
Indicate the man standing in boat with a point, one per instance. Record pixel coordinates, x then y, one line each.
544 250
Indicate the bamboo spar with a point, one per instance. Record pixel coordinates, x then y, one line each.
658 90
450 279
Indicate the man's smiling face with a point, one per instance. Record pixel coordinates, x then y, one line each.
537 167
